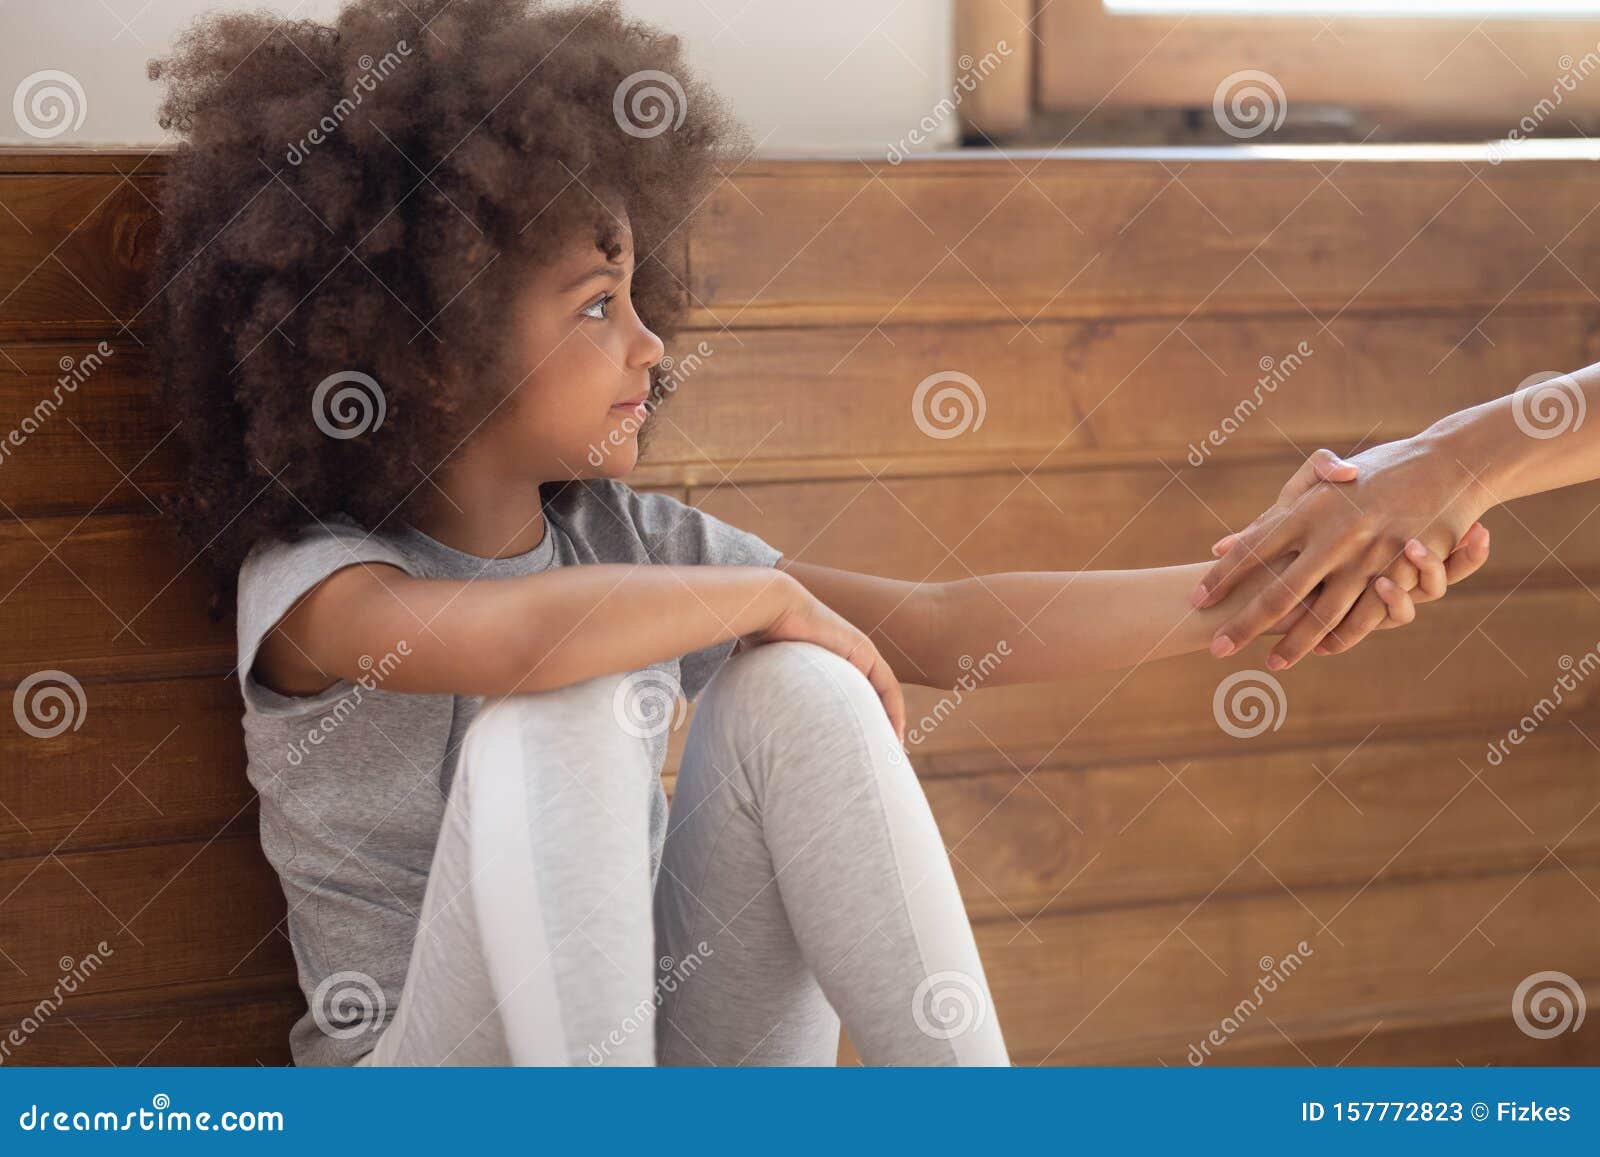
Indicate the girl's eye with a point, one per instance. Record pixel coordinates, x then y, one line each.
600 305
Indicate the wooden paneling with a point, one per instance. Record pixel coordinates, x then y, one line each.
75 248
1164 975
148 761
1014 239
1127 862
169 913
196 1026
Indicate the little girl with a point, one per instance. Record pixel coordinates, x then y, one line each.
416 274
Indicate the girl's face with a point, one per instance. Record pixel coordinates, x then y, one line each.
587 359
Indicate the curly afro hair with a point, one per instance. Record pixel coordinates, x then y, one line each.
359 203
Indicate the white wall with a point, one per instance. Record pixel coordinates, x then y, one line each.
813 76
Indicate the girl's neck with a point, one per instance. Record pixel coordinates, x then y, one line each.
484 515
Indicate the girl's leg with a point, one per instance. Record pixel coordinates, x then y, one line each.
534 943
803 869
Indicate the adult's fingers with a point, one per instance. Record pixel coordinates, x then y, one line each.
1275 600
1329 608
1469 554
1401 605
1372 611
1369 614
1323 465
1253 547
1431 582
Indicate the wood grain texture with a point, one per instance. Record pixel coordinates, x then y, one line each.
1127 861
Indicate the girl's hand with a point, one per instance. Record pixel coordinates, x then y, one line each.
1470 554
806 618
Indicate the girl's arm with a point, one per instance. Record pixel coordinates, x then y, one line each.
1045 625
501 636
1057 623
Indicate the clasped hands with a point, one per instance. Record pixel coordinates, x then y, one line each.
1350 546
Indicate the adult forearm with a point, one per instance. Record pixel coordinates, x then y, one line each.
1543 437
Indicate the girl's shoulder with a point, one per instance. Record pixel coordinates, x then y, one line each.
623 524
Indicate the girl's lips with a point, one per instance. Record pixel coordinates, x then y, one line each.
636 408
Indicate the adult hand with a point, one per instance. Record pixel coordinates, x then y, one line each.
1346 522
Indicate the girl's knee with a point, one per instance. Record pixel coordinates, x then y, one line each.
545 739
788 691
595 708
792 676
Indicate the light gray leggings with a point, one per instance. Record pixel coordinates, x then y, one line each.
802 881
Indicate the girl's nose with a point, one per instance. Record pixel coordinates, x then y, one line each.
648 349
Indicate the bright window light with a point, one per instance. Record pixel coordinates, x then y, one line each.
1492 9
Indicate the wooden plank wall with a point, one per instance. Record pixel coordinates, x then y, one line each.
1131 867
